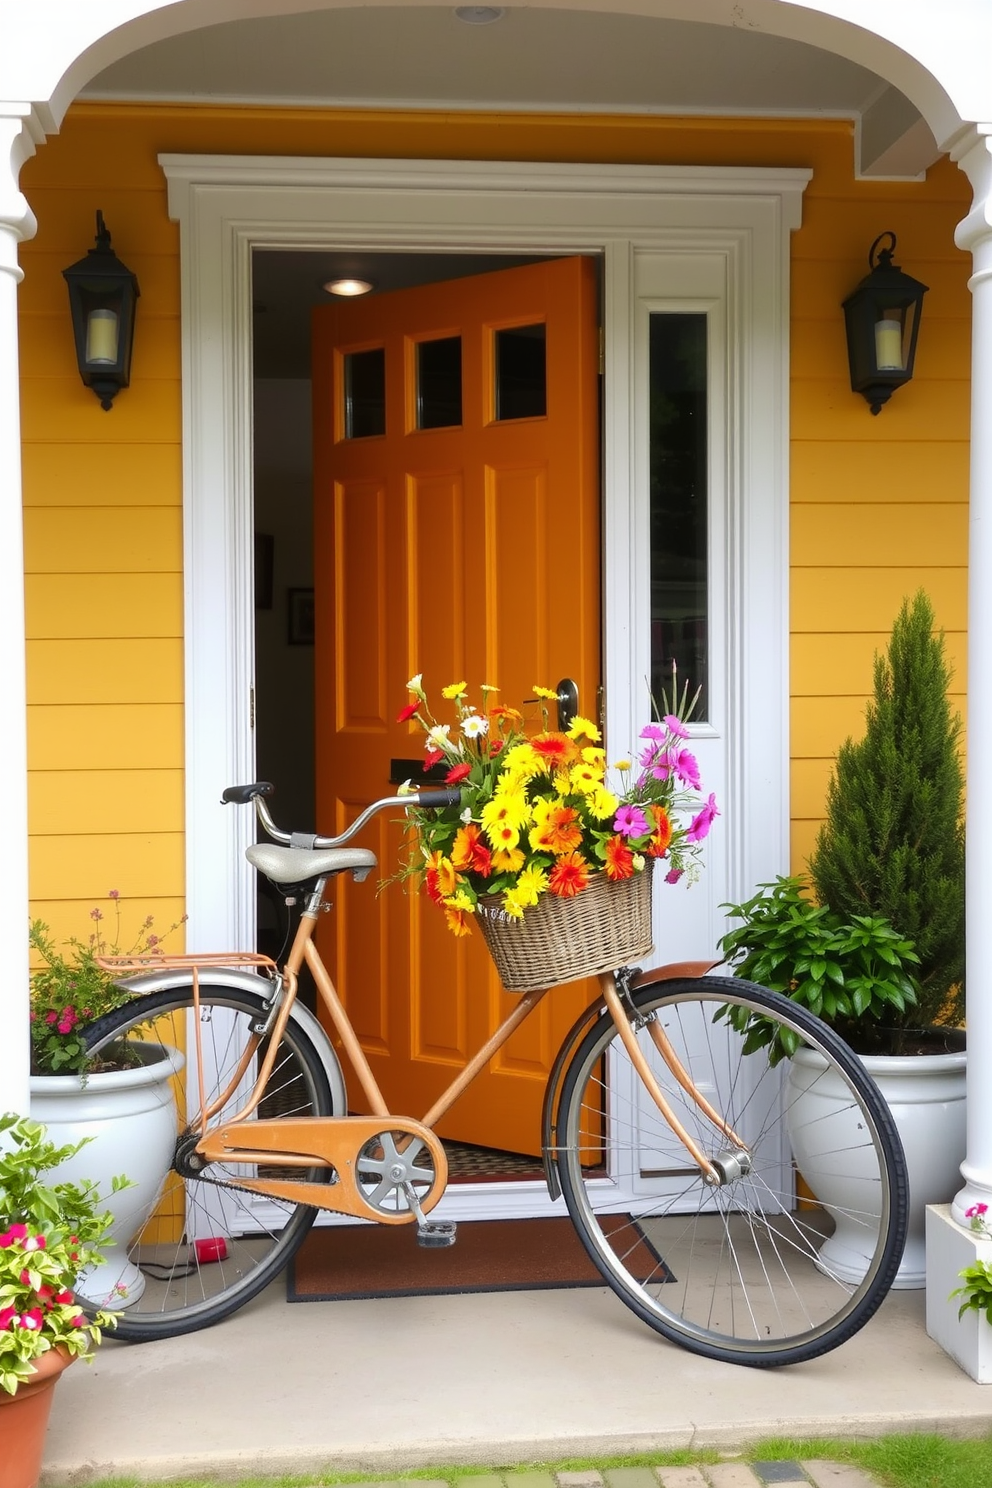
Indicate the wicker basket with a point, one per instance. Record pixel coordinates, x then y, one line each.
561 940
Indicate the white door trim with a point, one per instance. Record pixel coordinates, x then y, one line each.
228 205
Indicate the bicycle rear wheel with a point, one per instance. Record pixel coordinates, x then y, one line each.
735 1272
244 1240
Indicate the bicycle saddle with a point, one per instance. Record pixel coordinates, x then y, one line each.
296 865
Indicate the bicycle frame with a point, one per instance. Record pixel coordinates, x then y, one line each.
333 1141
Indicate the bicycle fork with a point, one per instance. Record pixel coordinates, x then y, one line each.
728 1165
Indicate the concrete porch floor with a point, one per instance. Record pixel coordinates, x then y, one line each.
492 1378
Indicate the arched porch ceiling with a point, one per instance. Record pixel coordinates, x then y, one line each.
571 60
940 69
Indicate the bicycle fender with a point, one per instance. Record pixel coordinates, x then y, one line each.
672 971
248 981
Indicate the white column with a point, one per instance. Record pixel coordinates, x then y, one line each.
975 234
16 223
951 1243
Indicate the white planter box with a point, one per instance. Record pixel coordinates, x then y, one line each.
949 1249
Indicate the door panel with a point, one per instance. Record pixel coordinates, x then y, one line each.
467 550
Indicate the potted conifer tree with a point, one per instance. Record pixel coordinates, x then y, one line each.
887 880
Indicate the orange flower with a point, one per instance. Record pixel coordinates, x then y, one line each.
457 921
619 860
555 751
559 832
658 845
440 879
469 853
569 876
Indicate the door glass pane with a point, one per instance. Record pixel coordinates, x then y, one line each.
677 432
521 372
364 393
439 383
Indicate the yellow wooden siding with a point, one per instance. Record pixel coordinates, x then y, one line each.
103 490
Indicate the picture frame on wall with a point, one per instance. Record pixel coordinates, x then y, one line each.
300 622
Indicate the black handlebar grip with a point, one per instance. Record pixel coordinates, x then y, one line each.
437 799
242 794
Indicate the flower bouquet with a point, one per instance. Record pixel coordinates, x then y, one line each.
547 857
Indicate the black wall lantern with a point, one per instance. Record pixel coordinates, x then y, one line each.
883 321
102 295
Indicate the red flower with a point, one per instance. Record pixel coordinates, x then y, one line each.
457 773
469 853
555 750
405 714
432 757
569 876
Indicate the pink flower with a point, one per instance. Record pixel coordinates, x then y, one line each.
8 1316
673 875
630 821
113 893
31 1320
700 825
16 1232
976 1211
687 768
675 726
654 731
64 1299
34 1242
96 914
51 1017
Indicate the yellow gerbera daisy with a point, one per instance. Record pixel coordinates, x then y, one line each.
454 689
583 728
602 803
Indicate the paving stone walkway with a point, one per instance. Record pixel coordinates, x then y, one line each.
815 1474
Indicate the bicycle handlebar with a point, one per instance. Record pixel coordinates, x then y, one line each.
433 798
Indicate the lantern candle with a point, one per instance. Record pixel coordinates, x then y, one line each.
101 337
888 346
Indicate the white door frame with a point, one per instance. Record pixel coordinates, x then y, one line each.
229 205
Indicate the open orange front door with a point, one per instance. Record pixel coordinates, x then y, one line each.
457 519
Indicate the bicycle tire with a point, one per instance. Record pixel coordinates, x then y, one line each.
180 1291
735 1272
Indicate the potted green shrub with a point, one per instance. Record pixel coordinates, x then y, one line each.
123 1108
875 946
49 1232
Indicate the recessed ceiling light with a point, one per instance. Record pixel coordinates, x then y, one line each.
348 288
480 15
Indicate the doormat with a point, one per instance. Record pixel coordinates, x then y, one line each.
352 1262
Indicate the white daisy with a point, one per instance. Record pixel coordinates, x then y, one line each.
473 727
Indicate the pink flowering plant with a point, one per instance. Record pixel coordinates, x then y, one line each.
977 1289
70 989
538 814
49 1234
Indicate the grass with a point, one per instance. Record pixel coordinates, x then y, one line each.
912 1461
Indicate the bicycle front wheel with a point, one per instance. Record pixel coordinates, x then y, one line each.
201 1247
750 1270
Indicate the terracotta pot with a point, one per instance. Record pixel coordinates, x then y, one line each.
24 1420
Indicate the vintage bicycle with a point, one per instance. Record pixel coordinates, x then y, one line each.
671 1141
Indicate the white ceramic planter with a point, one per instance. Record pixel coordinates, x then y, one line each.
926 1096
130 1116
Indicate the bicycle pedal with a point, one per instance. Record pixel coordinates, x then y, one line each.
436 1235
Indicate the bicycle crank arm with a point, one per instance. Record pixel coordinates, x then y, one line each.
373 1157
